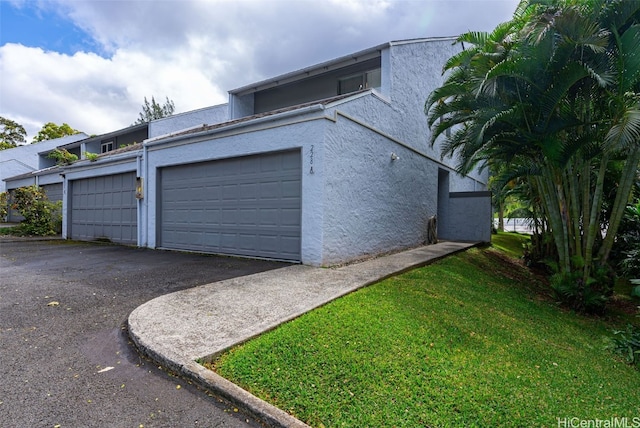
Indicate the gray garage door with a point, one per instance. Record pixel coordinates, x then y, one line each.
54 191
104 207
248 206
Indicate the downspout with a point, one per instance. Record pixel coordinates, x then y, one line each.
140 215
65 206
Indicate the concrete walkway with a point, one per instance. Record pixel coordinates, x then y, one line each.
178 329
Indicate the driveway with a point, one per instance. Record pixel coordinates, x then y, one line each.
65 356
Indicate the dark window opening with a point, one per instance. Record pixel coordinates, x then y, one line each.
106 147
357 82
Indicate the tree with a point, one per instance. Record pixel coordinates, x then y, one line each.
51 131
41 216
153 110
12 134
554 95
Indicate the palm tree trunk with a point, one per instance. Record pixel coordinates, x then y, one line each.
554 206
593 227
627 179
572 185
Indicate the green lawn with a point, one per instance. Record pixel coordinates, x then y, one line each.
510 243
463 342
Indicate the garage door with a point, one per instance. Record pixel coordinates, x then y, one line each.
247 206
104 207
54 191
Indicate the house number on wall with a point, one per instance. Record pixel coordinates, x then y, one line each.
311 160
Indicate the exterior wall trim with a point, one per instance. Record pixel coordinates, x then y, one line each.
207 134
224 133
469 194
124 158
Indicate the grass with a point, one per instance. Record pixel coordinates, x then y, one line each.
7 230
466 341
510 243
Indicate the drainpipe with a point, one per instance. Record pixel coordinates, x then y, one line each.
140 187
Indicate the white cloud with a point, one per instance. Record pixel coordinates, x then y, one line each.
194 51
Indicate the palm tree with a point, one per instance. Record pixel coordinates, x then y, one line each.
552 94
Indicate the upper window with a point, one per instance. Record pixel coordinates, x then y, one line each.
357 82
106 147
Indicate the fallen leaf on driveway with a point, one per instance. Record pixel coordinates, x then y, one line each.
54 303
106 369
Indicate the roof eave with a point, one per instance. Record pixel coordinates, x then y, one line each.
312 70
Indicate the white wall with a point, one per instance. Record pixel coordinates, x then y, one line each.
22 159
373 204
205 116
470 217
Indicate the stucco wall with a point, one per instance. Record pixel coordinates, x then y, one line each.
23 159
469 217
209 116
305 131
373 204
414 71
40 178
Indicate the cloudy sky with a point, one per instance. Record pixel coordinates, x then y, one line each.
90 63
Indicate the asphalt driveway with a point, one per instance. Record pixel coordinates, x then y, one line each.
65 356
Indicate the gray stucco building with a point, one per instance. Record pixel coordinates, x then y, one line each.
323 165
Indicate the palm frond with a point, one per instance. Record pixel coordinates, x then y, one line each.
629 64
617 14
626 133
477 38
461 59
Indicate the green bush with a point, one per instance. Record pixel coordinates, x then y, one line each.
590 297
626 252
63 157
41 216
4 206
627 343
92 157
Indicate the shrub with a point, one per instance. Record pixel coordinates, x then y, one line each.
41 216
63 157
589 297
627 343
92 157
4 206
626 252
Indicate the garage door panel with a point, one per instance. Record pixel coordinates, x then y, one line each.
104 207
245 206
290 217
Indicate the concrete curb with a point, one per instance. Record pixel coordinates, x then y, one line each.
11 238
253 406
177 330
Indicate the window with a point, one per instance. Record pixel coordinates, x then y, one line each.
106 147
357 82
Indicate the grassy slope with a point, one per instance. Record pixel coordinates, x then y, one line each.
509 243
462 342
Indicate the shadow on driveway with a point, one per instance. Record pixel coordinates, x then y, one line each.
66 358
